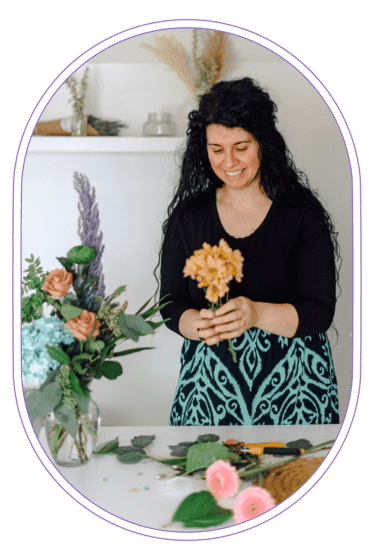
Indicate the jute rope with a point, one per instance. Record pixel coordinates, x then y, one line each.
282 482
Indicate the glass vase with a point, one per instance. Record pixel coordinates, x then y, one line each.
66 450
79 123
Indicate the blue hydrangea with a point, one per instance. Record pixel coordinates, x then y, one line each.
36 362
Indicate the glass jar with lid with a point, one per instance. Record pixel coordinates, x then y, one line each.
159 124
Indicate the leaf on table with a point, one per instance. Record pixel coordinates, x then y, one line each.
208 437
202 455
131 458
142 441
107 447
201 510
129 449
178 450
300 444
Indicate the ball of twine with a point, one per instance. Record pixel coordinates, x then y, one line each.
282 482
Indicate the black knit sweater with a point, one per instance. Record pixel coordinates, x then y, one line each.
289 258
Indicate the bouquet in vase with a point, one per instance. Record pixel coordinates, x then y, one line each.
77 342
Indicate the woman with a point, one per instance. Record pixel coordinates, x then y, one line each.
238 183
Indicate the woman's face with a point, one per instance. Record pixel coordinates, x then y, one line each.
234 155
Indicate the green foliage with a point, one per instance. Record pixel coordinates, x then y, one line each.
107 447
93 345
178 461
81 254
82 402
32 281
207 437
32 307
201 510
66 264
142 441
133 326
58 354
132 457
67 417
75 385
202 455
110 370
178 450
40 403
34 275
69 311
132 351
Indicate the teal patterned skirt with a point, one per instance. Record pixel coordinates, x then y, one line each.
276 380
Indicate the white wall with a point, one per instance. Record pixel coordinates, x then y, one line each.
134 189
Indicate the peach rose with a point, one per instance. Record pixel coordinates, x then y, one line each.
81 327
57 282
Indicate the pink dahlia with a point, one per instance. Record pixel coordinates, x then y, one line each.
252 502
222 479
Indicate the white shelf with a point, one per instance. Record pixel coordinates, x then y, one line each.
108 144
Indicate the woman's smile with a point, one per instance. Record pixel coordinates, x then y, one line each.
234 155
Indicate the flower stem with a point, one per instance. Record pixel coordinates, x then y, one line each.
233 353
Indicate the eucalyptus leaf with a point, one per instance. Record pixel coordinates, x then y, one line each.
69 311
138 323
131 458
82 402
187 444
300 444
202 455
67 417
107 447
110 370
50 396
126 330
142 441
208 437
178 451
95 345
200 509
32 402
58 354
130 449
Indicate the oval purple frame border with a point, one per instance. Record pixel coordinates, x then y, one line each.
191 21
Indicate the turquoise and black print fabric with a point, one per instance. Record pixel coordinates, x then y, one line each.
277 380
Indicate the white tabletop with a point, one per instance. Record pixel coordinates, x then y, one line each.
137 494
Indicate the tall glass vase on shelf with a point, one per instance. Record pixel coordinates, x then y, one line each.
78 121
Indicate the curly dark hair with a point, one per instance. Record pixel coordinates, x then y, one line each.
245 104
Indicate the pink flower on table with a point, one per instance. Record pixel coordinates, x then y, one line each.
252 502
222 479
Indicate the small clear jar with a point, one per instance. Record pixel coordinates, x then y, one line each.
159 124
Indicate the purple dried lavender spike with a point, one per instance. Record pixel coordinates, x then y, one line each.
88 228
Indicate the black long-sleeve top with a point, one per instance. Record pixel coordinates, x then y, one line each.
289 258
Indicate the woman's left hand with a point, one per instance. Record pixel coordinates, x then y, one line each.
233 318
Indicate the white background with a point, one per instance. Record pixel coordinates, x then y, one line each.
133 190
